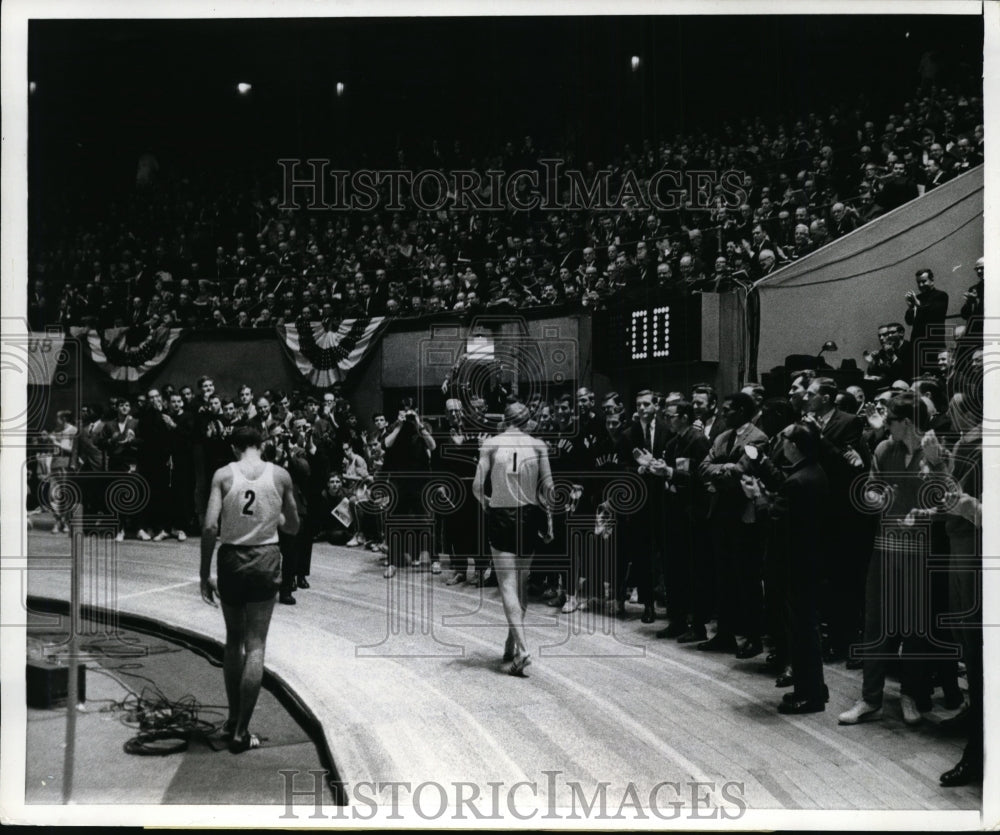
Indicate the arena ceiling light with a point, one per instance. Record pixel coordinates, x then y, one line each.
340 88
243 88
636 63
32 86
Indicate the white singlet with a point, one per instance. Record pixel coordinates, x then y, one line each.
514 468
251 509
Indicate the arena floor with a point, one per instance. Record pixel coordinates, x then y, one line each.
605 701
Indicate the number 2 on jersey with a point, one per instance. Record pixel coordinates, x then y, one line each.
248 507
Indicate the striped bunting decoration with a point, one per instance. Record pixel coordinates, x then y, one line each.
325 357
129 354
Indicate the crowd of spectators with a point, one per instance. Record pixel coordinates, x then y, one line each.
790 517
202 251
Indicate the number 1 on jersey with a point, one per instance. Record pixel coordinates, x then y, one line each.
515 463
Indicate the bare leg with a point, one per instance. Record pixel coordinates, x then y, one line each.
232 659
252 622
512 576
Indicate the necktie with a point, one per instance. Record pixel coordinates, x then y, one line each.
647 435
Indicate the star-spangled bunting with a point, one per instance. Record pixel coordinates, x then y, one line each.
130 353
325 357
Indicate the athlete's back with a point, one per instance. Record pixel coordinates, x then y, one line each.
251 508
514 470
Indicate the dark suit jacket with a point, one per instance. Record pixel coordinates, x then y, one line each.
121 453
718 427
693 445
843 431
800 513
728 499
633 438
931 312
154 438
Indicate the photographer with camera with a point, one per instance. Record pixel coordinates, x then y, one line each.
295 451
408 447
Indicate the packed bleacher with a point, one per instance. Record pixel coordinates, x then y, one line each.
214 249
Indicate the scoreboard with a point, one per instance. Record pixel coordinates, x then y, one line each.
644 330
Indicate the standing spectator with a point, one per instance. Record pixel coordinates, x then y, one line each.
181 490
119 442
296 548
408 446
897 569
964 528
925 314
800 515
642 444
704 401
90 457
458 454
153 459
842 455
972 306
736 535
64 453
688 593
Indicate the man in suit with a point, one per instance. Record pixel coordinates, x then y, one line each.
182 467
894 358
800 514
843 455
736 539
640 446
457 453
936 174
925 314
688 588
119 440
972 305
368 303
898 188
155 428
757 392
706 410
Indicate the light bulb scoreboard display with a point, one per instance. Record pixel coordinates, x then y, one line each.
645 330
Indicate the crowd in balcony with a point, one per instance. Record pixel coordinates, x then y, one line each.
200 250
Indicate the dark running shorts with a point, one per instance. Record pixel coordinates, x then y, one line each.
516 529
248 573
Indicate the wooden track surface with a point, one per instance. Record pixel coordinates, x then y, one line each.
419 696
